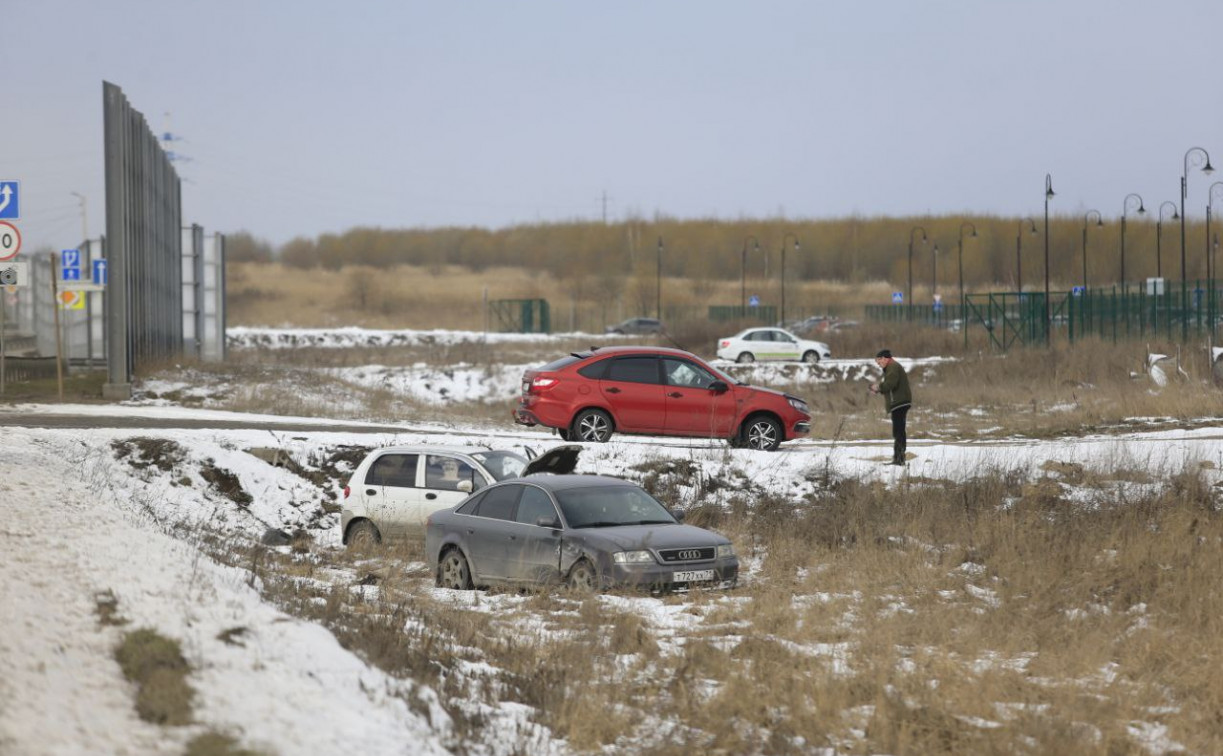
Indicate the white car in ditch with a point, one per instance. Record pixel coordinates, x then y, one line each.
755 344
396 488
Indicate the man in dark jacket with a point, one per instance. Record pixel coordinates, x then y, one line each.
896 396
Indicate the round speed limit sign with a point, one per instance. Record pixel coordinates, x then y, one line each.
10 240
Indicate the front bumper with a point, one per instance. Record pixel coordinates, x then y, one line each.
663 577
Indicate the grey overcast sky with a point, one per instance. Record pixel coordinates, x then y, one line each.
302 117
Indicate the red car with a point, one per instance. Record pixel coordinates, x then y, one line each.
587 396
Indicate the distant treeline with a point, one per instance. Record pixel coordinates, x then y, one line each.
844 249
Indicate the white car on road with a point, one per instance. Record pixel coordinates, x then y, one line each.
755 344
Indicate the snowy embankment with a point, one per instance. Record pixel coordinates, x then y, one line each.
88 511
348 338
78 527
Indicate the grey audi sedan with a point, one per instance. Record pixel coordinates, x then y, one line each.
588 532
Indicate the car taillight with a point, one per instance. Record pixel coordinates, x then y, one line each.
723 343
542 384
347 491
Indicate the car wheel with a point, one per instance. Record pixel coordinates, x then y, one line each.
591 425
453 572
583 578
363 535
746 358
564 434
763 433
811 357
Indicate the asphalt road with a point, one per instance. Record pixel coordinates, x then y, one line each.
35 420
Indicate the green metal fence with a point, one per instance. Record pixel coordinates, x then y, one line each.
1172 312
521 315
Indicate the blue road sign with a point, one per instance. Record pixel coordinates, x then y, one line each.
71 274
938 305
70 258
10 200
898 297
753 301
1077 291
99 272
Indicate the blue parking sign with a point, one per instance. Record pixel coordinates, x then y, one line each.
10 200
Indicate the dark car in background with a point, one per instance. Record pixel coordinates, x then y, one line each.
587 396
636 327
588 532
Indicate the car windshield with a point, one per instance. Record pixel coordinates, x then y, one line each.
502 465
608 506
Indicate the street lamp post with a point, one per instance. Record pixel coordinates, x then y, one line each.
934 275
960 260
1215 189
1019 252
909 290
1125 206
1049 194
783 273
1200 156
658 300
1086 222
1159 225
84 218
743 273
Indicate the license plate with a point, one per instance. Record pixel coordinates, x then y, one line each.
691 576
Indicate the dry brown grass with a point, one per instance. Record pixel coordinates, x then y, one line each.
990 616
156 665
452 297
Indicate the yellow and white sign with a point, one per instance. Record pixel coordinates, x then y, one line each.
72 300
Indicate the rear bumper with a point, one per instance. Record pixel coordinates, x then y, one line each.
524 417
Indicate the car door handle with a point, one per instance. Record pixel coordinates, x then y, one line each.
370 492
613 390
430 496
513 538
470 531
675 395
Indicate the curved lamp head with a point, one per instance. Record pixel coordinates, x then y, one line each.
1049 193
1208 168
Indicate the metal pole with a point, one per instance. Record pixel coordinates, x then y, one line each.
59 340
658 300
1207 169
1048 314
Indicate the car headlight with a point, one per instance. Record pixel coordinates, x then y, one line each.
632 557
799 405
725 550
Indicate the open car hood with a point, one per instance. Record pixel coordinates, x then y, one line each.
559 461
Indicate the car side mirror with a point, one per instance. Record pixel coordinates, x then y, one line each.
548 522
719 387
679 516
465 486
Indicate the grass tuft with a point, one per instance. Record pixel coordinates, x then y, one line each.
156 664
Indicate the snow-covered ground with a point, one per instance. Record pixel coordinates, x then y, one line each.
80 519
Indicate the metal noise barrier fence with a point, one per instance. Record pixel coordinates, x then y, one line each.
144 245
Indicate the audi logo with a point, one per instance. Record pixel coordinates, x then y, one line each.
689 554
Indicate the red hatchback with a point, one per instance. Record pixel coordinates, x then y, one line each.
587 396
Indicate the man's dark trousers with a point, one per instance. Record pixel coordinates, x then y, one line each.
899 440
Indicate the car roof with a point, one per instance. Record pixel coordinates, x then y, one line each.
564 482
424 449
616 350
